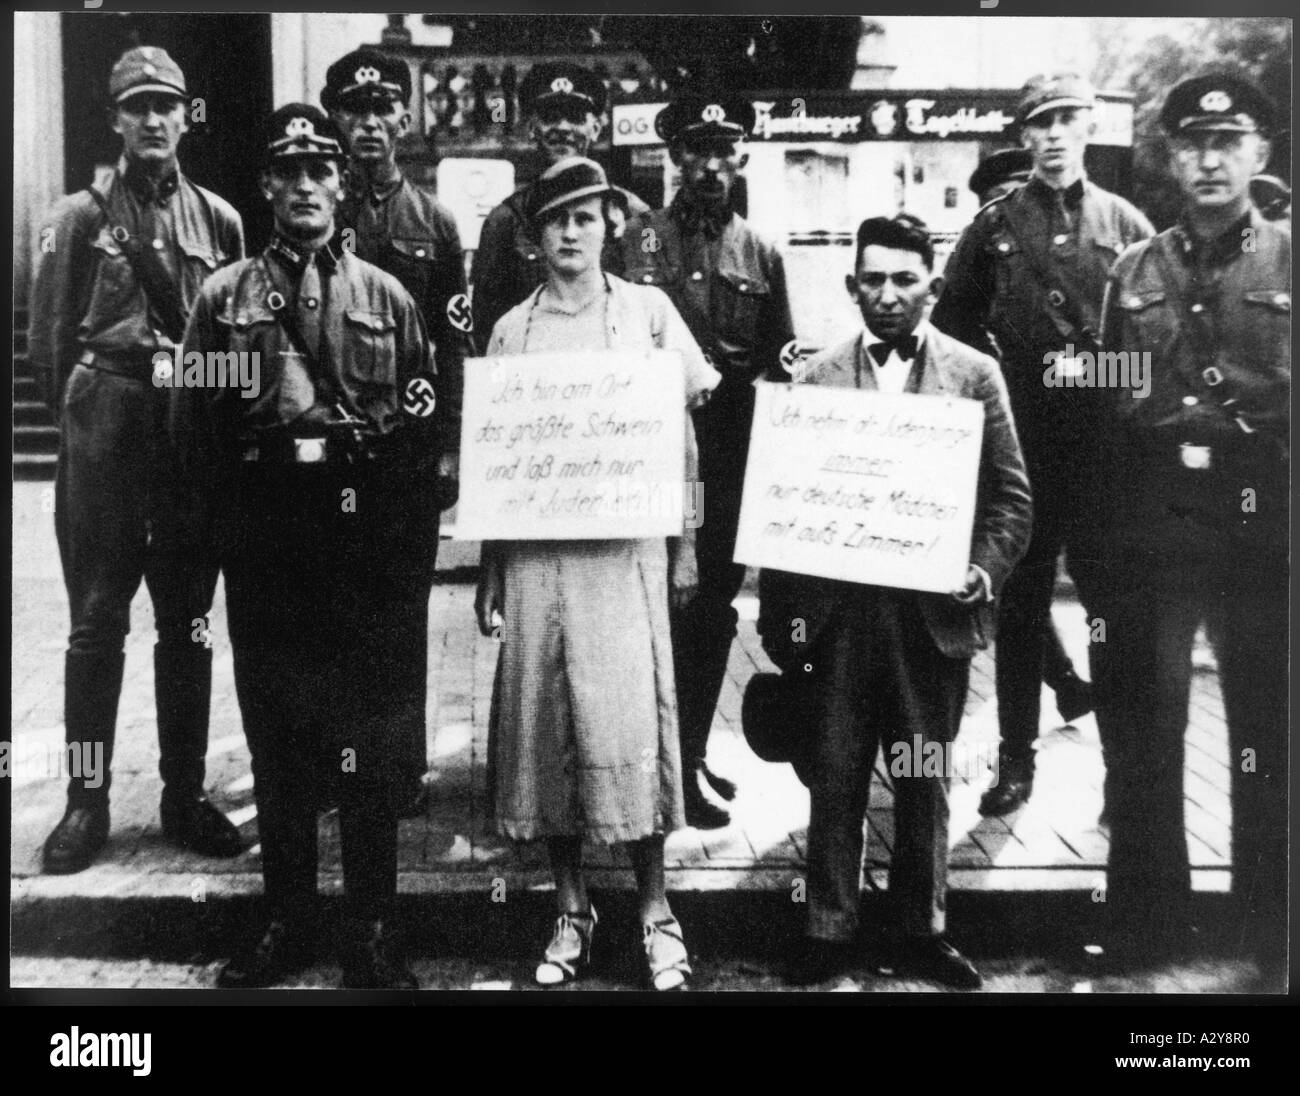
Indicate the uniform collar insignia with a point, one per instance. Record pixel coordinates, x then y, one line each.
1220 250
1073 192
144 187
695 219
294 260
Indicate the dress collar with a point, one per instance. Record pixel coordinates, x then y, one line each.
144 187
1218 250
294 259
693 219
381 193
1047 195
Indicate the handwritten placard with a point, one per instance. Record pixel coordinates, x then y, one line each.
572 446
861 486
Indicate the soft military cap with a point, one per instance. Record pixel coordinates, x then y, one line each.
1220 101
366 71
145 69
1060 91
1002 167
299 130
702 116
1270 194
555 82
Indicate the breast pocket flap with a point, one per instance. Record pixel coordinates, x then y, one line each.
375 322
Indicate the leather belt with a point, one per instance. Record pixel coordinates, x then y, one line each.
290 450
135 365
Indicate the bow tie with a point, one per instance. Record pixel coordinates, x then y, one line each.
905 348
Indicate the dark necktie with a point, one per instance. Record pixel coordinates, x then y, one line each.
1060 214
297 391
905 348
707 221
309 307
154 252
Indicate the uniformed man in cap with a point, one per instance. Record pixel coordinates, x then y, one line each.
997 175
565 107
1272 197
1001 172
1025 282
123 264
729 285
308 487
1199 527
403 229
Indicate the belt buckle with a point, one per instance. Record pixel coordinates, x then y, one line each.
1211 376
308 450
1196 457
1070 367
1056 297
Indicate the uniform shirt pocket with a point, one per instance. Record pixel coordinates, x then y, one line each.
738 302
1276 301
1260 342
199 262
1148 323
369 346
114 281
417 250
529 254
652 274
248 329
1004 257
1109 248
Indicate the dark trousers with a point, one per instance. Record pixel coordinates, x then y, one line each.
880 680
1028 652
703 631
323 686
1144 685
111 521
408 625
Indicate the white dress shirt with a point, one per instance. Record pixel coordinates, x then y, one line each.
893 375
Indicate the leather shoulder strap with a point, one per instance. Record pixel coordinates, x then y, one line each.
160 290
1058 303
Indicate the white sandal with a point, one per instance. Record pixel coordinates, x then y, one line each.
667 964
569 951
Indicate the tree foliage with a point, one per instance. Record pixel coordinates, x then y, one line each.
1259 49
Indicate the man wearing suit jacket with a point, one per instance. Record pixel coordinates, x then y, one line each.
888 665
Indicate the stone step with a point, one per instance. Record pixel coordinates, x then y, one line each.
29 411
43 438
34 466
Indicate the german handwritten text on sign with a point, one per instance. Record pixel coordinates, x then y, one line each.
861 486
581 446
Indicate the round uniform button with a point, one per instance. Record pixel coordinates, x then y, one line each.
1190 401
532 255
158 245
744 286
1198 307
698 276
419 253
647 278
311 302
1133 302
1004 247
1059 240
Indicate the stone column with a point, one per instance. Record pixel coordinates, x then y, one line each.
38 134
